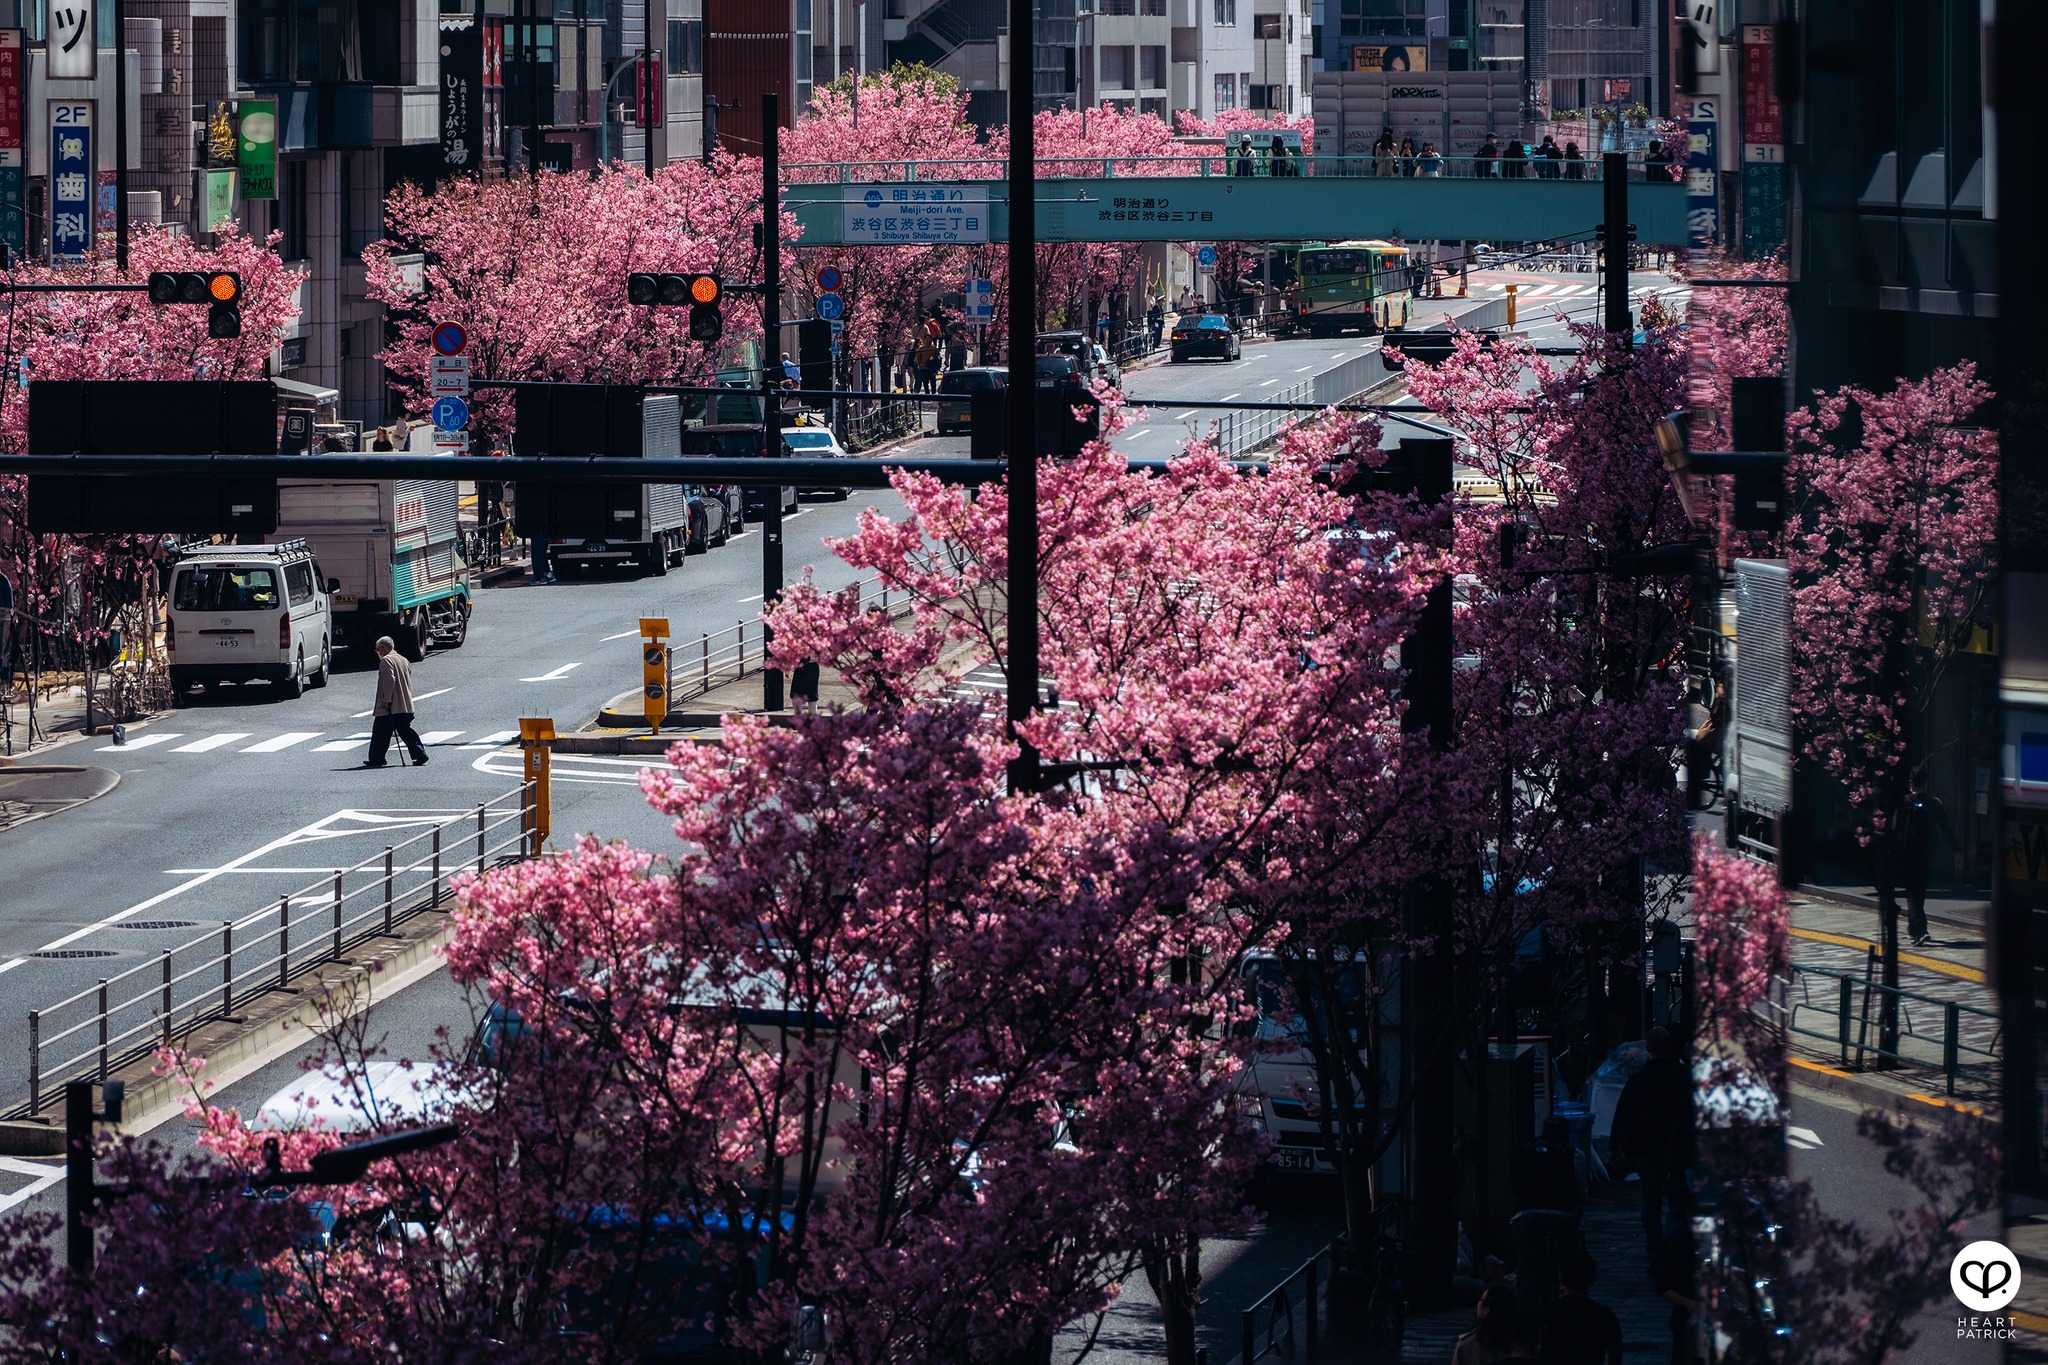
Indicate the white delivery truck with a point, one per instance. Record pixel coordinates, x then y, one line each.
655 533
393 548
248 613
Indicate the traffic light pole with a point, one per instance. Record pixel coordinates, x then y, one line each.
1018 433
771 381
1614 233
120 138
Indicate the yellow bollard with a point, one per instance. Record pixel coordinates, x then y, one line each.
535 733
654 671
1511 305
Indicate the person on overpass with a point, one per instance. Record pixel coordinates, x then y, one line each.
1488 161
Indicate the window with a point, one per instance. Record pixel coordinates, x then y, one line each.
291 213
298 581
1265 26
225 587
1382 18
685 47
1226 13
1117 64
1260 96
1226 92
1152 68
1154 8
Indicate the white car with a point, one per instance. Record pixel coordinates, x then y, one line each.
249 613
387 1094
815 443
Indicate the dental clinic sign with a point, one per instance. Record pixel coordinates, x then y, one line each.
915 215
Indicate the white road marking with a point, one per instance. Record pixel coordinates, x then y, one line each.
1805 1139
555 676
200 746
139 742
492 740
417 697
319 829
283 741
1134 435
620 636
438 736
1228 396
1183 416
1305 369
755 598
353 741
51 1176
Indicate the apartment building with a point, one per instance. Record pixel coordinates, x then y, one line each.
1281 41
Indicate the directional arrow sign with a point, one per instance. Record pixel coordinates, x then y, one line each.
450 414
448 375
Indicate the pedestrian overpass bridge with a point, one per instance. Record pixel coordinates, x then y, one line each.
1190 198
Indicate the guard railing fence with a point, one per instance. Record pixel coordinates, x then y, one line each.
1272 1317
89 1033
1841 1012
1195 163
715 659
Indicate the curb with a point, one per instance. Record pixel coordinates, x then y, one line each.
73 736
15 766
1861 902
1819 1079
625 744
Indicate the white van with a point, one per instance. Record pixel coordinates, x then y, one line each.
249 613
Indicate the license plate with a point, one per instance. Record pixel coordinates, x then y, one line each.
1294 1159
227 642
344 599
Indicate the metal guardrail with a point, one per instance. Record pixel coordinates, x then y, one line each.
1203 165
199 981
1855 1004
1240 433
721 658
1277 1304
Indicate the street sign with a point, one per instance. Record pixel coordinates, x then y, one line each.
981 301
450 414
1205 257
71 179
909 214
450 338
451 442
448 376
828 279
837 328
831 307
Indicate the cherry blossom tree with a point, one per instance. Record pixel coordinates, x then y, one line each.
1892 547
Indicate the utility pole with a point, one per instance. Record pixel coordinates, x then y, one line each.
81 1188
120 138
1020 440
533 91
771 379
1614 234
1429 1053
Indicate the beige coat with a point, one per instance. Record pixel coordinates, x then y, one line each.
394 685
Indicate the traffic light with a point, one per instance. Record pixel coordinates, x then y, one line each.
701 294
221 290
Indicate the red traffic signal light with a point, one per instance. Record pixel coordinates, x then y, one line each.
195 286
704 289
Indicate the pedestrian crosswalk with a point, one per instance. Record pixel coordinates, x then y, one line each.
183 742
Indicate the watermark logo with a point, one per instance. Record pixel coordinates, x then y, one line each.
1985 1276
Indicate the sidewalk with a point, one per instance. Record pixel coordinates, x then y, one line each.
59 720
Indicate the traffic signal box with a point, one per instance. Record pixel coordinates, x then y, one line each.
654 670
703 295
571 421
1057 430
220 290
151 417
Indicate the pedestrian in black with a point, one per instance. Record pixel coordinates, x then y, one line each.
1672 1273
1283 160
1514 160
1574 162
393 709
1923 817
1552 155
1656 161
1407 159
1155 321
1489 159
1526 1336
1492 1336
1652 1135
1581 1332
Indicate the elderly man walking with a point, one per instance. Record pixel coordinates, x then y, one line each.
393 712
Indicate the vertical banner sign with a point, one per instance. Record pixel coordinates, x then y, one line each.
1702 180
1763 146
74 49
647 94
71 179
1703 30
256 149
494 87
220 199
462 95
11 139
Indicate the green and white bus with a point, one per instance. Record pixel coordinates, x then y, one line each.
1357 286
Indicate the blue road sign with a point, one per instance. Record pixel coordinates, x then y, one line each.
1206 256
450 338
450 414
831 307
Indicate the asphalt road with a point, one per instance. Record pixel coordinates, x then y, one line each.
239 797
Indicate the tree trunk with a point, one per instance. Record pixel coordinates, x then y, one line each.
1884 856
1176 1280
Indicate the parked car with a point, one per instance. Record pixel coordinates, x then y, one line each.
249 613
956 395
710 517
739 441
816 443
1205 334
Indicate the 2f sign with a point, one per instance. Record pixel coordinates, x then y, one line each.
73 43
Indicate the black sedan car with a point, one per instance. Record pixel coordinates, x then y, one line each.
1205 334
